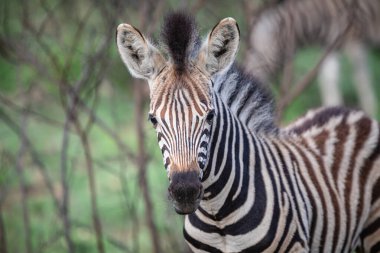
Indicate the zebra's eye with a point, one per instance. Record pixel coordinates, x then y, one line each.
210 116
153 120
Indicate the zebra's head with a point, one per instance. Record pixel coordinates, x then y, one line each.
181 102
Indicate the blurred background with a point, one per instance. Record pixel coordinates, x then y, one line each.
80 168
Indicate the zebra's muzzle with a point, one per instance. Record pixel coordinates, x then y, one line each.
185 192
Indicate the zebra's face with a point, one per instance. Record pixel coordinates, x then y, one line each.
182 113
181 108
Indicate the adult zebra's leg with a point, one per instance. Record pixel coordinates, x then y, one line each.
328 81
357 53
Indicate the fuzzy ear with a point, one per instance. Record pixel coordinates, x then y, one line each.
219 50
142 59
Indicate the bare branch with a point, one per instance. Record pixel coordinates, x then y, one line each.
34 155
142 165
92 182
23 186
65 191
145 9
7 102
3 239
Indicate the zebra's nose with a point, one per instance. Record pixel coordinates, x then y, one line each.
185 190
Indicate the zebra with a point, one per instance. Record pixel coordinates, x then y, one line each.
279 31
244 184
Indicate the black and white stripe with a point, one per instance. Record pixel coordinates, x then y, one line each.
288 193
245 185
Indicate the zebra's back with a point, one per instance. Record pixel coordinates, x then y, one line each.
337 154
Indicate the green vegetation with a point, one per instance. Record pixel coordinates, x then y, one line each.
47 47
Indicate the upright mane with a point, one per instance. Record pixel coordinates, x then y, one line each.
180 36
250 101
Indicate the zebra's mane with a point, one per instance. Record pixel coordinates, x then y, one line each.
180 36
248 99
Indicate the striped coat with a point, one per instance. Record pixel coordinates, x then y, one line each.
244 184
315 187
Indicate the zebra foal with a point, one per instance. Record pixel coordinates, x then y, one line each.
243 184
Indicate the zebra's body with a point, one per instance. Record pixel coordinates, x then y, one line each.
286 192
280 31
245 185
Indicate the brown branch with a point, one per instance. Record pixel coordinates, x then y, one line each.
108 130
138 86
23 186
7 102
120 174
3 239
91 177
3 165
28 25
50 17
142 164
72 114
32 61
130 204
65 190
34 155
70 108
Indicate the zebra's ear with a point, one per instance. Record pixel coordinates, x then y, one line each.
219 49
142 59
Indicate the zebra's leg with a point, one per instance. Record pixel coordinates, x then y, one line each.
357 54
328 80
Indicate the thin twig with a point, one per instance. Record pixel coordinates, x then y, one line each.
7 102
91 177
145 9
73 116
34 155
3 239
70 105
142 166
65 190
23 186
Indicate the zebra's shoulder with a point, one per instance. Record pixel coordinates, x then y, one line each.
325 118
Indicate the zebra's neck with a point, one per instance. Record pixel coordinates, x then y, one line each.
240 202
233 151
247 99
